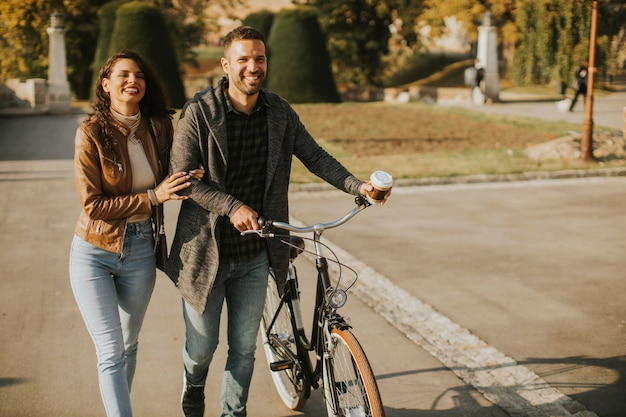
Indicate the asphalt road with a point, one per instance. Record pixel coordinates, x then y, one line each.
473 300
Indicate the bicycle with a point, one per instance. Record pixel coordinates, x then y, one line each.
348 382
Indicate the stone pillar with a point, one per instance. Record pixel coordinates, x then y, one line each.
487 54
58 97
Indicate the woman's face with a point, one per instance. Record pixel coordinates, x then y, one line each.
126 86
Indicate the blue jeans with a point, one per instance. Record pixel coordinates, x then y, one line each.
112 292
243 287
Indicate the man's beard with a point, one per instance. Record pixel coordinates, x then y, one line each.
250 89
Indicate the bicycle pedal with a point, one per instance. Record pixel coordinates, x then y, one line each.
281 365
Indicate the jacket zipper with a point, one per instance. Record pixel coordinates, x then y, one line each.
119 165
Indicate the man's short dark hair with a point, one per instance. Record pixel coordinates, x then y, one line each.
242 33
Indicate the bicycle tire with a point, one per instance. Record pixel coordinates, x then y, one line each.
346 368
290 384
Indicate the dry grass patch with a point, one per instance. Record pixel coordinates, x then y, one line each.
417 140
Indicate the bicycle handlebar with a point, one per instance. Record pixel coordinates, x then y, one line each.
361 204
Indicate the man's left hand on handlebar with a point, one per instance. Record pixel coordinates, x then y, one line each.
245 218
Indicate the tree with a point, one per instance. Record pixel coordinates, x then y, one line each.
299 68
555 40
358 36
541 40
24 41
140 26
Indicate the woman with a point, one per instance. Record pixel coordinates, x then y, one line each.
121 159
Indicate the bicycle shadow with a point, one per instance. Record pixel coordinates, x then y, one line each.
606 400
462 397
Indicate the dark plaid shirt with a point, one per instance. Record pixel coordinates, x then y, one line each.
245 176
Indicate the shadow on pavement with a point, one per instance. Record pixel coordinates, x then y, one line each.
605 400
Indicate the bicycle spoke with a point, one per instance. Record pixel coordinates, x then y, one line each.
281 351
350 388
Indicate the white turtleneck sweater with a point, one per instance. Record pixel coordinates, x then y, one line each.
143 177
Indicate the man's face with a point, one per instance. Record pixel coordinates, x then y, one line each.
246 65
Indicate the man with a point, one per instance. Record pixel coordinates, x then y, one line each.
245 136
580 83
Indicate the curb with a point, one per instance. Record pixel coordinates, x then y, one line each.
482 178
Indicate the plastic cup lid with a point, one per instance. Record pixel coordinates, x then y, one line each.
381 179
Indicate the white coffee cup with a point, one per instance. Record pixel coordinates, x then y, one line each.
382 182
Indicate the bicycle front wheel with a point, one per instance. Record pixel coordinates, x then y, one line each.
350 388
281 350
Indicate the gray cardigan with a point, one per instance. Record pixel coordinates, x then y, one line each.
200 137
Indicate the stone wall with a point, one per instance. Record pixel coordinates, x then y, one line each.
28 95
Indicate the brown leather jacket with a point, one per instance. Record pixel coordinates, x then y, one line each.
104 181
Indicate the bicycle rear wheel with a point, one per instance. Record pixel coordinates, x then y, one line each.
281 351
350 388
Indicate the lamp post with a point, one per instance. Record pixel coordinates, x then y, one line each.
586 140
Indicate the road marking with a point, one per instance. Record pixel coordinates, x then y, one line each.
501 380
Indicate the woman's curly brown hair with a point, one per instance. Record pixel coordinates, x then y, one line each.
153 104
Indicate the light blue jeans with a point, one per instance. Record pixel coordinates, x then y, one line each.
243 287
112 292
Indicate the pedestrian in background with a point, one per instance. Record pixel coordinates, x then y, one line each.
121 158
480 74
580 83
246 137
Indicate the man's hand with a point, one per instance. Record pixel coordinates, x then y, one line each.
245 219
366 188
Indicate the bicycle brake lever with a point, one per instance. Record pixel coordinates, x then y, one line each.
260 233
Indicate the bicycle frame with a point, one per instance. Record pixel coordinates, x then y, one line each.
323 311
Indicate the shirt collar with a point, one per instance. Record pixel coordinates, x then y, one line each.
260 103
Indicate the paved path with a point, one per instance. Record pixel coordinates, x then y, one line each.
488 299
608 109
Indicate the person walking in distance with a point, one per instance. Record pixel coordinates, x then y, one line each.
121 158
580 83
245 136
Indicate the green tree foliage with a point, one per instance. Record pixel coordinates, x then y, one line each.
24 41
358 36
140 26
299 68
555 40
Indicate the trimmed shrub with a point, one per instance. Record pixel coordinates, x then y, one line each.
141 27
261 20
106 20
299 68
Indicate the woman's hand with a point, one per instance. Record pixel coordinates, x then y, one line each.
171 185
197 173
